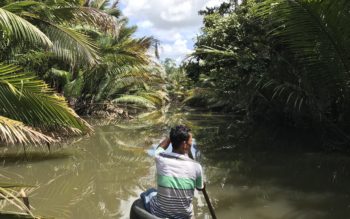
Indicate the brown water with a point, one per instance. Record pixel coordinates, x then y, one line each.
101 175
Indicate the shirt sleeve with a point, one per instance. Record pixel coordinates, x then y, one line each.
158 151
199 178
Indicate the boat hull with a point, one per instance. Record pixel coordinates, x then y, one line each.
138 211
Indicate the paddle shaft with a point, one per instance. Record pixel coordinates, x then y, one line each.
211 209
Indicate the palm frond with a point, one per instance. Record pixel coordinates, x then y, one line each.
126 32
11 195
99 4
133 75
115 12
22 30
126 59
26 99
20 6
291 94
88 15
201 96
15 132
212 51
71 45
138 100
313 34
156 97
141 77
130 51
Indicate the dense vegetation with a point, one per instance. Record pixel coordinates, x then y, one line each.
58 54
269 60
285 62
82 50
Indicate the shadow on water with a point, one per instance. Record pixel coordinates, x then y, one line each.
274 173
8 158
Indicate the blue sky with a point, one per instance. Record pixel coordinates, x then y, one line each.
175 23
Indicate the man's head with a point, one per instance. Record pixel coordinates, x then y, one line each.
181 138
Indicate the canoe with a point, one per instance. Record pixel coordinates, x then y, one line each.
138 211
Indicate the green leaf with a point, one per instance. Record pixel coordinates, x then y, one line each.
20 29
138 100
34 103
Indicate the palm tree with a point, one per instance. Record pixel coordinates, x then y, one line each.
26 101
315 33
55 21
29 100
308 62
127 73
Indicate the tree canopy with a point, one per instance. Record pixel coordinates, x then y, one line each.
282 61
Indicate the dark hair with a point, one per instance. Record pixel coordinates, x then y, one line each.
179 134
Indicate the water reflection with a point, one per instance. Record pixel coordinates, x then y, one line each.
271 176
101 175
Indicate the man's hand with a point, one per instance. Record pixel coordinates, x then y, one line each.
204 185
165 143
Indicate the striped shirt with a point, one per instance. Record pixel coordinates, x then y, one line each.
177 177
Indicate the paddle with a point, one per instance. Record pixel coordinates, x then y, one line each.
206 196
211 209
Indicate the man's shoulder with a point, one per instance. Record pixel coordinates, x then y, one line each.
181 160
159 150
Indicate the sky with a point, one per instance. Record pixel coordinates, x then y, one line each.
175 23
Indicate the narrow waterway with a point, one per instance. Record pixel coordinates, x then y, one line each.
101 175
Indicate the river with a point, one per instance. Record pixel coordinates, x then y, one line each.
99 176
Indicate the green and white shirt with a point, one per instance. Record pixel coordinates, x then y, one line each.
177 177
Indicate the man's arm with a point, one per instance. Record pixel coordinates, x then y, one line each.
200 185
201 188
165 143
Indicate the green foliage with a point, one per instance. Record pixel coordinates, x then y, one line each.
282 60
139 100
316 40
14 132
16 28
57 79
42 37
127 73
178 82
82 49
231 49
51 22
27 99
71 46
73 88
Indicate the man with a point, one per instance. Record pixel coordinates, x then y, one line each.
177 176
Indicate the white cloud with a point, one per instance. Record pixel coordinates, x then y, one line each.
165 13
174 22
176 50
131 8
145 24
177 13
213 3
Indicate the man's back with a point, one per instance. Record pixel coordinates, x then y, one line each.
177 177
